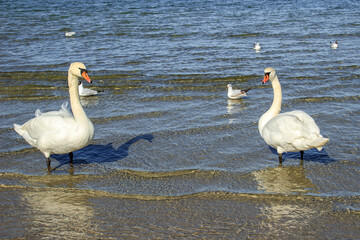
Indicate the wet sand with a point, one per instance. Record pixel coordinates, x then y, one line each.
63 213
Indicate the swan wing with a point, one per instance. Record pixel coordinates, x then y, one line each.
49 124
307 123
291 131
47 127
55 134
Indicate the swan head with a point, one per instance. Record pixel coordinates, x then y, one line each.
78 69
269 74
229 86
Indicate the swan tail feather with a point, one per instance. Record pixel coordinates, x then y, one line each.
320 143
23 132
38 113
65 106
18 129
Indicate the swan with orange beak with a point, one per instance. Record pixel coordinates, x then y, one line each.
63 131
290 131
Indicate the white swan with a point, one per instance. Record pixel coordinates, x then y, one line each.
290 131
334 45
257 47
236 94
60 132
84 92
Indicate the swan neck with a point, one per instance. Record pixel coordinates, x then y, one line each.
77 110
275 106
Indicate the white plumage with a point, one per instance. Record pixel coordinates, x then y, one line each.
69 34
257 47
290 131
85 92
236 94
60 132
334 45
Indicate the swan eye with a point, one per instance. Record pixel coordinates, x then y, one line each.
82 70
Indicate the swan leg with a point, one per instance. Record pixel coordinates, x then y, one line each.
280 158
48 162
301 155
71 156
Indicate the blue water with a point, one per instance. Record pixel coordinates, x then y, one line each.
164 128
174 37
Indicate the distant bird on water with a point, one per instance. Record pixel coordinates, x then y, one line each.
257 46
69 34
85 92
334 45
236 94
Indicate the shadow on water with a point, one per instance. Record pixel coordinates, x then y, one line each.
312 155
100 153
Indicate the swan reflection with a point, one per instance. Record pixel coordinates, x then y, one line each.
284 208
64 212
284 180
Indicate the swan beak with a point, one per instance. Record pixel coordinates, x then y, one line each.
266 78
86 76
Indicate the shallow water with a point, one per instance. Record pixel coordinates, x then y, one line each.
172 156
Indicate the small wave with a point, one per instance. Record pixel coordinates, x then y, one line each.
21 151
134 62
50 181
327 99
32 75
350 67
31 98
100 193
149 174
177 98
128 116
244 35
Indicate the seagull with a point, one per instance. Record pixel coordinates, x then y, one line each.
69 34
257 46
236 94
84 92
334 45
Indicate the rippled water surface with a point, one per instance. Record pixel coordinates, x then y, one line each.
172 157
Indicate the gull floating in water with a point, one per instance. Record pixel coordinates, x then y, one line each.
236 94
84 92
257 46
69 34
334 45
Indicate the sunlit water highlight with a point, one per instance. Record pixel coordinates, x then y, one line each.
172 156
